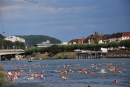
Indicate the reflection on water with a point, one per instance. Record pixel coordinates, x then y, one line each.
81 72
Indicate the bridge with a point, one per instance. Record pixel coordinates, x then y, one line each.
4 52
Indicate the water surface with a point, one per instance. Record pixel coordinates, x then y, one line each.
53 79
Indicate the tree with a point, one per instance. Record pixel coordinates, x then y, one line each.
54 49
33 54
113 44
125 43
96 38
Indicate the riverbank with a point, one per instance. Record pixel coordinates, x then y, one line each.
61 55
119 54
72 55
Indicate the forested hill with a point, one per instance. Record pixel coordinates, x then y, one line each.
36 39
1 36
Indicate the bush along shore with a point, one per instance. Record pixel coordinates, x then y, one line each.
3 78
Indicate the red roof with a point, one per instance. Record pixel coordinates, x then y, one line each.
126 34
79 41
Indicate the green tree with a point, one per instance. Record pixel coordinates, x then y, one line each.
33 54
96 38
54 49
113 44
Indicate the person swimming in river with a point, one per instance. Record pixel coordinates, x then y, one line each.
27 78
32 75
42 76
10 75
89 85
15 75
18 73
36 75
65 78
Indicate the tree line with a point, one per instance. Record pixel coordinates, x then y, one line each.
4 44
54 49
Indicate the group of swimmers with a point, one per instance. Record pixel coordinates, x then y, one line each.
36 75
17 74
14 75
111 68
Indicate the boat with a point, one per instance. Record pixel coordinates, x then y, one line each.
31 59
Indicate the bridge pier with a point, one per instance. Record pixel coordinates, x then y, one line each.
0 57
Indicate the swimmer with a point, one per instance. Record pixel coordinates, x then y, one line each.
65 78
42 76
32 75
36 75
10 75
102 74
115 81
26 76
89 85
18 73
15 74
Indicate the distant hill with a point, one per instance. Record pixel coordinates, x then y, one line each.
36 39
1 36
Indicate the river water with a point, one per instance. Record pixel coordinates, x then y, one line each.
77 79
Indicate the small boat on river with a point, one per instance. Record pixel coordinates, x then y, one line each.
31 59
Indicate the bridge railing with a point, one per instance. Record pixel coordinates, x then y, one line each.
11 50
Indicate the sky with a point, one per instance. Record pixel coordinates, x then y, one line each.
64 19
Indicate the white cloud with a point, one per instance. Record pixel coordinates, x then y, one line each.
18 9
52 10
18 0
14 7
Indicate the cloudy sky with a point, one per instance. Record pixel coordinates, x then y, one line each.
64 19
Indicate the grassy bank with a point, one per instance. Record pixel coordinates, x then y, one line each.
61 55
72 55
119 54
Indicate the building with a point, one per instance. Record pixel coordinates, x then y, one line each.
76 41
89 39
119 36
44 44
64 43
14 39
102 39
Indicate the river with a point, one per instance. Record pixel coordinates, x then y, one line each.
77 79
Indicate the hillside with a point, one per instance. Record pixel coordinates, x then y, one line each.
36 39
1 36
